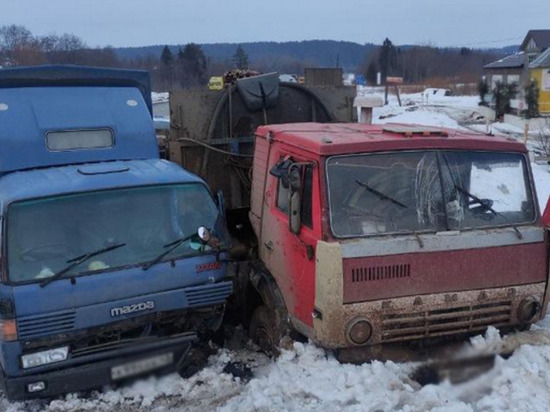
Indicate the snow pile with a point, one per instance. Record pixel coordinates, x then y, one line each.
307 379
430 110
423 117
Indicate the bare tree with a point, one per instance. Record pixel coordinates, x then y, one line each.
18 46
64 49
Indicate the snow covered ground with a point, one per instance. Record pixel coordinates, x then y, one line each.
308 379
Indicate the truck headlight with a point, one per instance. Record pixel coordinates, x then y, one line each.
528 309
33 360
359 331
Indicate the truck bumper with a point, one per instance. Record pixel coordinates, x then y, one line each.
437 316
96 374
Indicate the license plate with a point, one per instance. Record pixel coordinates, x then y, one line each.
141 366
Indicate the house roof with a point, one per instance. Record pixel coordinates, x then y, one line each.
542 61
541 38
509 62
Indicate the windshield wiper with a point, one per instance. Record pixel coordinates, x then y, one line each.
171 246
483 204
487 204
381 195
78 260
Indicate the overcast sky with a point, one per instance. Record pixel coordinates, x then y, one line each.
473 23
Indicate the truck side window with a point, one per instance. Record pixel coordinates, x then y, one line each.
283 196
307 197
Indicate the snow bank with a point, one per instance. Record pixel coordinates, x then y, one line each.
306 378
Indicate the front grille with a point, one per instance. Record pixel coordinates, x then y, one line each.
365 274
103 348
42 325
214 294
449 321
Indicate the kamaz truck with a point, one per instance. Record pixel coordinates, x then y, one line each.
365 239
392 236
112 260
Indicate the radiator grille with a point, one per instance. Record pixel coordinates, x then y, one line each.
366 274
449 321
42 325
102 348
208 295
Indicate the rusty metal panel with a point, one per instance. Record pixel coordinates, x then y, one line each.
339 101
191 111
323 77
206 126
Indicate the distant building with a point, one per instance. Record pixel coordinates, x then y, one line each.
509 69
539 69
516 68
536 42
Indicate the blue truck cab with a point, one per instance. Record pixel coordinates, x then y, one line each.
103 273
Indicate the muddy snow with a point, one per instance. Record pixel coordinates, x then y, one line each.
307 378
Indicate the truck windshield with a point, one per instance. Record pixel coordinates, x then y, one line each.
45 235
411 192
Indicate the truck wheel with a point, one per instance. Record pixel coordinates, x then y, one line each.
264 332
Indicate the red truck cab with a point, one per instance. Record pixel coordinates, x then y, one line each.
376 234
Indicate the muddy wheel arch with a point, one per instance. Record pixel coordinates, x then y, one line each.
261 281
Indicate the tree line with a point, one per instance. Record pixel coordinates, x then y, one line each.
190 66
419 64
19 47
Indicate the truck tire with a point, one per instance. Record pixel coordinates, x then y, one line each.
264 330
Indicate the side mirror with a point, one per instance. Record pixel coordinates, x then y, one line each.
204 234
295 178
281 169
546 215
294 212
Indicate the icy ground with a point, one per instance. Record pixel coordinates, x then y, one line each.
307 379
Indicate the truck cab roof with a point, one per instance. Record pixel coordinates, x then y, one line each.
349 138
58 115
88 177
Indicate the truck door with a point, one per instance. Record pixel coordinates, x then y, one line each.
290 255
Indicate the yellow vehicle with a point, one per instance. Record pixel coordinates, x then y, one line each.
215 83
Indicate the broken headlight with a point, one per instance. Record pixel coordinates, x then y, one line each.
46 357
